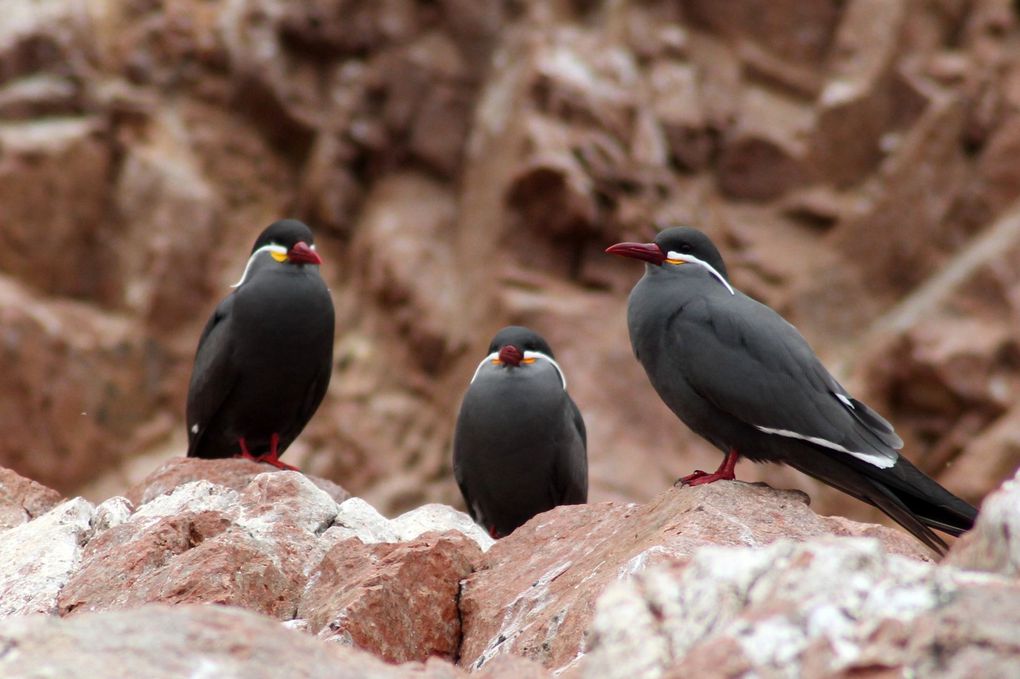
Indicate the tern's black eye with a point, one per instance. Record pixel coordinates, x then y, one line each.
685 248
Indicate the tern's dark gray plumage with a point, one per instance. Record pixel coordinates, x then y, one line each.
743 378
520 445
264 359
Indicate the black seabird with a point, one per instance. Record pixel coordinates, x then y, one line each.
265 356
520 446
743 378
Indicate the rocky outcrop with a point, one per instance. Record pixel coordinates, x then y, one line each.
821 608
722 579
22 500
278 545
162 642
464 164
534 591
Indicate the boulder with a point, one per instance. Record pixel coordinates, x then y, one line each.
262 545
992 545
824 607
399 601
22 500
41 556
535 590
232 473
163 642
77 399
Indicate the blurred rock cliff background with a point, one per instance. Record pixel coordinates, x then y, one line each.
464 163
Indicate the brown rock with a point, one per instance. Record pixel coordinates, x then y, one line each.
974 633
960 377
330 194
720 79
512 667
55 172
534 592
174 131
22 500
995 182
927 169
893 541
676 102
802 79
992 545
42 37
61 436
793 30
986 459
856 106
399 601
206 543
233 473
40 556
552 193
161 642
38 96
346 27
191 558
161 190
791 609
420 299
765 154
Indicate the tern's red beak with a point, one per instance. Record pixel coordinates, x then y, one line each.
648 252
301 253
510 355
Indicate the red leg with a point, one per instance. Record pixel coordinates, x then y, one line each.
273 457
725 472
245 453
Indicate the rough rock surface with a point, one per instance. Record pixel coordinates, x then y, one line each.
354 583
22 500
820 608
994 544
272 542
158 641
719 580
234 474
534 591
855 159
40 556
464 164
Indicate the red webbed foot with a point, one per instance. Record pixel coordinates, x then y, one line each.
725 472
272 457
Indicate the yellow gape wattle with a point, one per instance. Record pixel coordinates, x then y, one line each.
279 256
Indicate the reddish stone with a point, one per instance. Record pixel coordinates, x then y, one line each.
178 130
190 558
926 168
765 154
794 30
205 543
55 172
399 601
676 101
22 500
162 642
233 473
993 544
857 105
534 592
76 391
